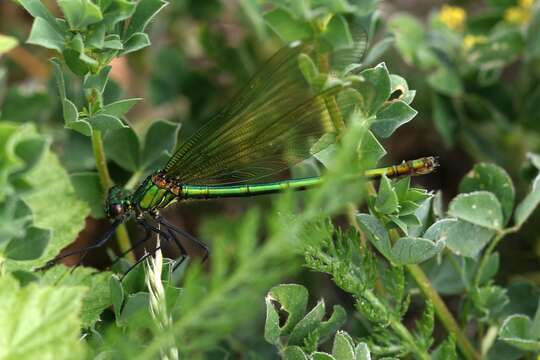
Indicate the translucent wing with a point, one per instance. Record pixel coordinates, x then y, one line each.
271 124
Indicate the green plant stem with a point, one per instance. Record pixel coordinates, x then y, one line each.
468 351
399 328
122 235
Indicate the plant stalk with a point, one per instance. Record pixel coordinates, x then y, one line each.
122 235
451 325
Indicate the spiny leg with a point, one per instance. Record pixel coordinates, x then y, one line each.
147 236
171 228
150 229
84 251
144 257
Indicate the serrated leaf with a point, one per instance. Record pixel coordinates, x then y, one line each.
391 117
50 312
80 13
286 25
43 34
29 247
387 200
480 208
492 178
122 146
54 206
97 296
424 326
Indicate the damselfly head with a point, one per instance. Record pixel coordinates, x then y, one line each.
118 204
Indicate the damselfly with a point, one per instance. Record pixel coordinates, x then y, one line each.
270 125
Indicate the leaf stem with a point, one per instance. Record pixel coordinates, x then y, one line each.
122 235
451 325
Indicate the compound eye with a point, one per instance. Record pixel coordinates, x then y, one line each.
117 209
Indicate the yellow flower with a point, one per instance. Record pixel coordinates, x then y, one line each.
517 15
453 17
526 4
470 40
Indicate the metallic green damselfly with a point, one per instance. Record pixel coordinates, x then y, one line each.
273 123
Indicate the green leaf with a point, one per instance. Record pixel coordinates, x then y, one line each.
387 200
446 350
343 347
122 146
379 78
307 325
337 33
413 250
136 309
376 234
88 188
308 68
526 207
30 247
317 355
362 351
329 327
443 119
370 151
410 36
119 108
159 141
97 296
135 42
96 82
45 35
292 298
490 177
288 27
104 122
294 353
392 117
480 208
80 13
145 11
516 331
467 239
54 205
7 43
446 81
425 326
43 321
117 295
15 216
38 10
